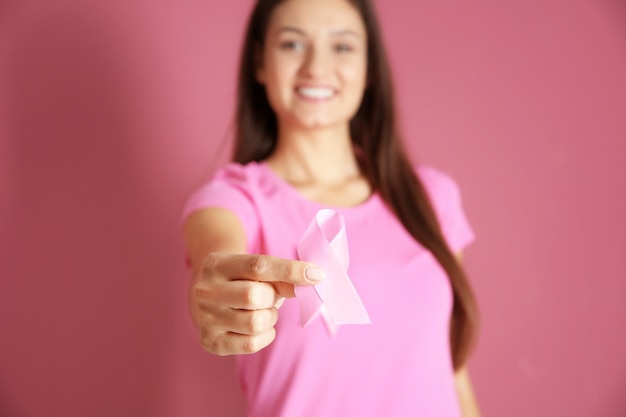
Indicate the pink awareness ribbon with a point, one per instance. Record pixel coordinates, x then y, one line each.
325 244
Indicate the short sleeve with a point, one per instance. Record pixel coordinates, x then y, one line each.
229 189
445 197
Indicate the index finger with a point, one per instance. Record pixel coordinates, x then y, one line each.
267 268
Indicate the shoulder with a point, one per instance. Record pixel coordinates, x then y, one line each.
233 188
237 175
445 197
233 182
440 186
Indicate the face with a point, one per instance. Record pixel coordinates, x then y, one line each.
314 62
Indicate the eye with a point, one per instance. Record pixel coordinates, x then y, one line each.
343 48
292 46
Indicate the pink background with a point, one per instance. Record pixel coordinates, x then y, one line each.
112 111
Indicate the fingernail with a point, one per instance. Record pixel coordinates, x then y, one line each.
314 274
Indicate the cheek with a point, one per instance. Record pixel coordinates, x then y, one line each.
276 76
355 79
282 75
354 73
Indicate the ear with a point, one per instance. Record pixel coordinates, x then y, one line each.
259 68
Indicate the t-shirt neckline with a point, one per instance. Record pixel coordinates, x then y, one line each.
272 176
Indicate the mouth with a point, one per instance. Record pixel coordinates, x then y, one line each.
315 93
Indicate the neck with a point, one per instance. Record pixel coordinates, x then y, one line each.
322 156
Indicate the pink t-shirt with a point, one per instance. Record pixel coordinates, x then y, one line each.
400 364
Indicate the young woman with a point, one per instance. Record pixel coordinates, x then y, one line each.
315 128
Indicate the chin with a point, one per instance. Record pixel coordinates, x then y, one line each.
320 122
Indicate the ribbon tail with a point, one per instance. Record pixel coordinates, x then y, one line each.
331 326
310 304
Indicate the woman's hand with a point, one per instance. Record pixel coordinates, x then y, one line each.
235 299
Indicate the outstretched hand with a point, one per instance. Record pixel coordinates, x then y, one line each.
236 299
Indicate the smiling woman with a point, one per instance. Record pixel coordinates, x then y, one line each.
315 129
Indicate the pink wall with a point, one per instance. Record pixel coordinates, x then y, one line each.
112 111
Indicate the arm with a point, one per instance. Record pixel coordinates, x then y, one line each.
467 399
212 230
208 231
465 392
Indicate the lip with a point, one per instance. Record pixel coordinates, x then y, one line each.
313 98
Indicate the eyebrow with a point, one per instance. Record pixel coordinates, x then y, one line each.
343 32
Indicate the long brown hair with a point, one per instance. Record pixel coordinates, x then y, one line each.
383 161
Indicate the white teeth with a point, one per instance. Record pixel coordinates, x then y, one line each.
316 92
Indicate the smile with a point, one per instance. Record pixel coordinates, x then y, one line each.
316 93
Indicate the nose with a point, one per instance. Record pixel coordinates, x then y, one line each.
316 63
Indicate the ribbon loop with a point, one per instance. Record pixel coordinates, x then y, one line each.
325 244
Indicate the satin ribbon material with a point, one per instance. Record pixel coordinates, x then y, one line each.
325 244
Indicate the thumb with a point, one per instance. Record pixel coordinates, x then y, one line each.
268 269
312 275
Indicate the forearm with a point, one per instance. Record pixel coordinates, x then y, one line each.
205 232
465 392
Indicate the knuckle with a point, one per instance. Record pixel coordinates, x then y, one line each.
210 263
251 344
259 264
209 341
256 323
213 338
252 296
202 290
207 295
206 319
